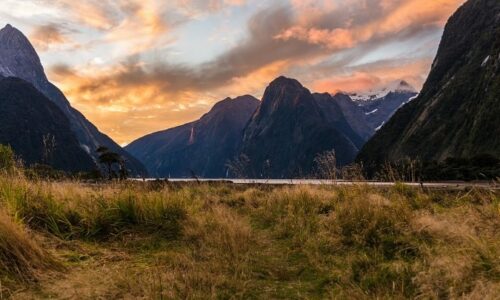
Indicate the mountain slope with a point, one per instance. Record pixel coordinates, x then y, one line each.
203 146
355 116
367 112
332 111
380 108
19 59
457 114
27 117
288 131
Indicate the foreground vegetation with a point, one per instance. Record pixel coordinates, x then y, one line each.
162 241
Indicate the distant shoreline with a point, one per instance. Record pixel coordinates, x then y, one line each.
444 184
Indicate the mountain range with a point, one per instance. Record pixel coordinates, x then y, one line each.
457 114
278 137
19 59
201 147
455 117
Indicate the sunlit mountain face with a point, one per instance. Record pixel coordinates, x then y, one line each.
138 66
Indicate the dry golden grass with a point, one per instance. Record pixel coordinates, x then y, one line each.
22 259
211 241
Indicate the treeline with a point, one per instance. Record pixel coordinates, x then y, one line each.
479 167
110 165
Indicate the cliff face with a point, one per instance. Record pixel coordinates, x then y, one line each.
28 118
457 114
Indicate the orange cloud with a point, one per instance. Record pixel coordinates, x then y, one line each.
413 72
128 100
143 29
394 16
93 13
128 110
334 39
46 36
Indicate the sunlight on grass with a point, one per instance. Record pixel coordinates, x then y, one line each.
159 240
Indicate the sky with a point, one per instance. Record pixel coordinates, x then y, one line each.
133 67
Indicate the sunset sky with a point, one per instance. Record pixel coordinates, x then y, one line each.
137 66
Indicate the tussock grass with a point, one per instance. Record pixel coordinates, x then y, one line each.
21 257
68 210
199 241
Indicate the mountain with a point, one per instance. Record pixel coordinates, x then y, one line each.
27 118
19 59
202 147
395 87
331 109
380 108
288 131
367 112
355 116
457 113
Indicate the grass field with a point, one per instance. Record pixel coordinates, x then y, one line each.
70 240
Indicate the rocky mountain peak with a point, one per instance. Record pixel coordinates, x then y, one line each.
404 87
230 103
283 81
18 58
284 93
236 108
397 86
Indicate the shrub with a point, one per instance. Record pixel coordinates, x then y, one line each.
7 158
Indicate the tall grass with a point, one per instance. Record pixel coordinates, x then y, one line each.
69 210
224 241
21 258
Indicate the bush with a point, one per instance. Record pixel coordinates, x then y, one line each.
7 158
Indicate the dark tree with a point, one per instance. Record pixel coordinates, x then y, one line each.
108 158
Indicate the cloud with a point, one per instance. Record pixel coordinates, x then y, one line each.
198 8
98 14
375 76
237 62
328 45
45 36
359 21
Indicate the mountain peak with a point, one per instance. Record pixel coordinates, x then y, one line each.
397 86
10 29
18 58
230 104
11 34
285 81
404 86
284 92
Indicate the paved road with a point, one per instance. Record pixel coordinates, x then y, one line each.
442 185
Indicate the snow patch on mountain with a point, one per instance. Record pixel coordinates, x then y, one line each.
394 87
380 127
485 61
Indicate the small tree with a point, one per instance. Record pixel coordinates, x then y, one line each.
239 167
108 158
326 164
49 146
123 169
7 158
